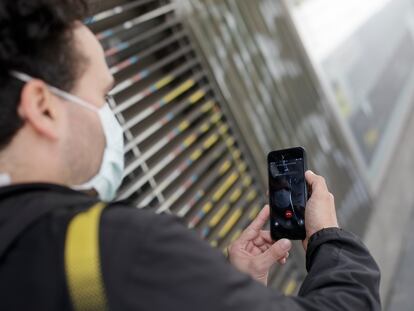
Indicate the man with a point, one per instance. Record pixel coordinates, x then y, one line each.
57 136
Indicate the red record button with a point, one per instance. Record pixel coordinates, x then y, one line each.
288 214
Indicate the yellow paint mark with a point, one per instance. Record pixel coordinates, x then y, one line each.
219 215
196 154
207 106
290 287
247 181
230 141
204 128
254 212
183 125
251 195
214 243
216 117
235 195
344 106
236 235
178 91
227 184
242 167
189 140
163 82
207 207
196 96
210 141
224 168
230 223
237 154
225 252
371 137
223 129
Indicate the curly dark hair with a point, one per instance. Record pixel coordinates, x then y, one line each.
36 38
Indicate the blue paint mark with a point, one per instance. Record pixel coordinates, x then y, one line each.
145 73
107 33
170 116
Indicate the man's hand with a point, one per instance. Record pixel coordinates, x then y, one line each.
320 208
254 252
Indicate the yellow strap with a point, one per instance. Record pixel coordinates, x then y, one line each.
82 261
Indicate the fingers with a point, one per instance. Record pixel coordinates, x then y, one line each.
284 259
255 227
264 247
258 223
320 209
316 182
278 251
265 235
259 241
265 241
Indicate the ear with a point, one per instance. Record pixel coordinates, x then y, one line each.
37 108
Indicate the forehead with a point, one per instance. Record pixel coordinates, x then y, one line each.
88 45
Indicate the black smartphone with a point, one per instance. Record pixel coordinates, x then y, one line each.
287 193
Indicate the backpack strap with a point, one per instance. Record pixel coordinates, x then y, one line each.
82 261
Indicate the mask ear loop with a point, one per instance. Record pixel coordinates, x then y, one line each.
62 94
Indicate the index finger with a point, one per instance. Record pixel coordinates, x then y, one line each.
257 224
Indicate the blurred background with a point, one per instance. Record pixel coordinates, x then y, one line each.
206 88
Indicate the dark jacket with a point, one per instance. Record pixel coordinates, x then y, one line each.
153 262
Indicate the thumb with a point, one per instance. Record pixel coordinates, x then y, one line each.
277 251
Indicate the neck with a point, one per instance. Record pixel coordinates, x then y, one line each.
28 166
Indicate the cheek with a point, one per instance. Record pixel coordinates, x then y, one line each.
95 137
84 132
66 126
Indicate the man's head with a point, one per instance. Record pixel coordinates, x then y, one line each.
43 137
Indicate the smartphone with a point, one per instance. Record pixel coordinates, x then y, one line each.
287 193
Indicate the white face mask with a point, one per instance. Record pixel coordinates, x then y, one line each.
109 177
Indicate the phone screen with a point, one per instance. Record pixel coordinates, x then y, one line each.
287 190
